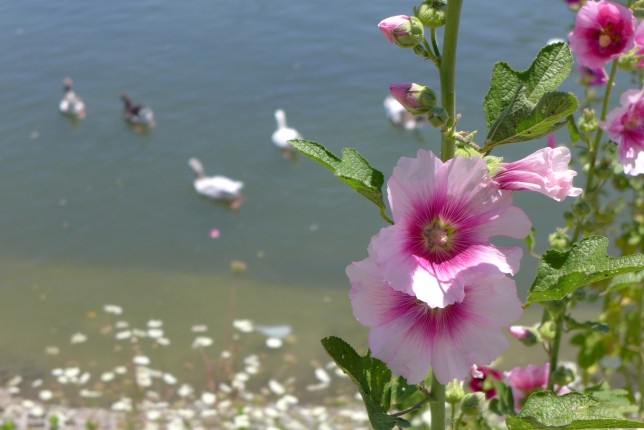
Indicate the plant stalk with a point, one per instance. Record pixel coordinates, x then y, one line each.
437 404
447 76
554 350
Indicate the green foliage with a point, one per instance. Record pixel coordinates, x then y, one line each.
8 425
572 411
588 325
572 130
503 403
522 106
372 378
626 280
352 169
560 273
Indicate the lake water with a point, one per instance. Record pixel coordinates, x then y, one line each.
93 212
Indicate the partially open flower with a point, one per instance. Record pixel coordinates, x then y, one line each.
603 31
402 30
545 171
625 126
484 381
592 77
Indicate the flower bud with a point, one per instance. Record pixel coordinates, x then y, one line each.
432 13
454 391
471 403
402 30
587 123
526 335
548 330
416 99
630 60
437 117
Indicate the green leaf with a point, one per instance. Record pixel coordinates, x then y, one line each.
523 106
591 348
373 379
503 403
530 240
573 131
545 410
626 280
352 169
597 326
560 273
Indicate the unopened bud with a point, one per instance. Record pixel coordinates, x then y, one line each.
630 60
587 123
402 30
548 330
526 335
454 391
416 99
432 13
471 403
437 117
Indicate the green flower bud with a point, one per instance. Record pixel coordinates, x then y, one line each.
587 123
472 402
559 240
416 99
432 13
454 391
548 330
405 31
437 117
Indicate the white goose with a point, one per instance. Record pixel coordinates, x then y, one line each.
71 104
283 134
137 114
216 187
398 115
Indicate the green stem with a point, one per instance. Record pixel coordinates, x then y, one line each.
554 350
638 330
437 404
384 216
437 51
451 421
594 146
447 75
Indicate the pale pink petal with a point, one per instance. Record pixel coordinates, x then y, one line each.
512 223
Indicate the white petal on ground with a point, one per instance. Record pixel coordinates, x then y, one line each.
141 360
202 342
77 338
274 343
245 326
199 328
113 309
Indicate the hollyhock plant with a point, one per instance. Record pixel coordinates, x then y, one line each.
444 216
593 77
603 31
639 44
410 336
481 381
625 126
525 380
545 171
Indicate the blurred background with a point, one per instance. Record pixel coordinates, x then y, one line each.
95 212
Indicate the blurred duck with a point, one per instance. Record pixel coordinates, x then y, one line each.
137 114
71 104
283 134
398 115
216 187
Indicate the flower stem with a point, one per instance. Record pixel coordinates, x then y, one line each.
594 146
554 350
437 404
447 72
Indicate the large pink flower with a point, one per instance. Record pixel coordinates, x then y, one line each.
625 125
639 44
546 172
445 215
603 31
410 336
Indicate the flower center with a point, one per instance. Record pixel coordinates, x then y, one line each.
607 37
437 236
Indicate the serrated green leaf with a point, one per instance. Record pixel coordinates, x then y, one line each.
522 106
560 273
545 410
549 69
596 326
372 378
352 169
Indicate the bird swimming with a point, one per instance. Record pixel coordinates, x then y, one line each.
71 104
137 114
216 187
283 134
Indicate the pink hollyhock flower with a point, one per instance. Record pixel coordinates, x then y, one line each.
546 172
593 77
410 336
603 31
482 381
445 215
639 44
625 126
524 381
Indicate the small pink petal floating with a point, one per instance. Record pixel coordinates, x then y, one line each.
214 233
